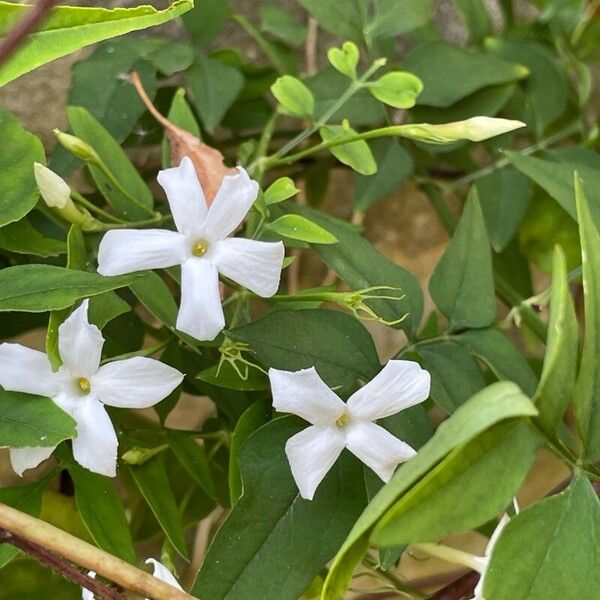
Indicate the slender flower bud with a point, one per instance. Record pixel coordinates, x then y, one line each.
54 189
474 129
77 146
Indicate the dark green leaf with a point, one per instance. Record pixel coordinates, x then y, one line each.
343 18
476 17
281 24
22 238
206 20
398 17
227 376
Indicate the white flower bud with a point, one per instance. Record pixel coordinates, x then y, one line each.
53 188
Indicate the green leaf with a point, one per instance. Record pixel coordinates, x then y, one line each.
171 57
227 377
70 28
491 405
504 196
342 18
27 579
153 482
455 376
476 473
398 17
300 228
181 115
139 204
398 89
293 95
336 344
206 20
295 537
22 238
27 420
356 155
102 512
498 352
281 189
562 348
462 284
394 166
344 59
20 149
450 74
38 288
555 541
361 266
106 307
282 25
214 86
587 407
476 17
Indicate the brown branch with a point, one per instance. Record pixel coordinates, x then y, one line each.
61 566
29 23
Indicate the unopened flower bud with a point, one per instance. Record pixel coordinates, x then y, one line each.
54 189
474 129
76 146
138 456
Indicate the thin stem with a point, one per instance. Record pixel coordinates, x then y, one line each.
93 208
135 224
59 542
148 351
263 146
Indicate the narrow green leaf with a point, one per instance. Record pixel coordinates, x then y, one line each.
27 420
22 238
293 95
462 284
356 155
70 28
300 228
38 288
562 348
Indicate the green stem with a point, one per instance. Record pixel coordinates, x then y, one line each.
148 351
136 224
255 169
93 208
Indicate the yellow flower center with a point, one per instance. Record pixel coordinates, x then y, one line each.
84 384
200 248
343 420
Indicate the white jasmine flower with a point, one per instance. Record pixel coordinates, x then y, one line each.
81 387
160 572
337 424
201 246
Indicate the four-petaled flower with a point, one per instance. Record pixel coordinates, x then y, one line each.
337 424
201 246
160 572
81 387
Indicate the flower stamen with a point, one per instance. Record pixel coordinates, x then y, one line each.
342 421
200 248
84 384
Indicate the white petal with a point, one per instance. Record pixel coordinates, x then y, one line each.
22 459
95 446
231 204
254 265
128 250
137 382
25 370
311 454
304 393
200 312
161 572
185 196
377 448
85 593
80 343
399 385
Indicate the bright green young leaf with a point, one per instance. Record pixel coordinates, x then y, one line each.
504 196
587 406
22 238
138 203
562 347
455 376
394 166
27 420
38 288
282 25
281 189
293 95
214 87
476 473
356 155
336 344
550 549
153 482
491 405
70 28
462 284
398 89
102 512
450 74
344 59
20 149
295 537
300 228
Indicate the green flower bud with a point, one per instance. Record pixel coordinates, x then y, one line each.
77 146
